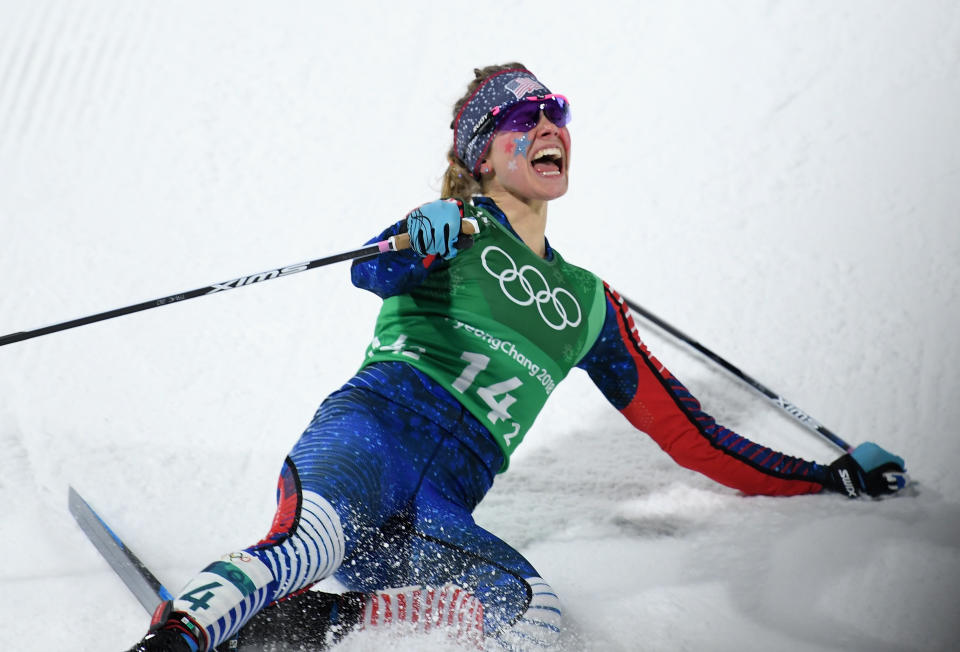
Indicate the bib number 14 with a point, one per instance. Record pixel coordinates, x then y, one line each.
495 396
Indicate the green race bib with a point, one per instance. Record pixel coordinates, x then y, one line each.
498 327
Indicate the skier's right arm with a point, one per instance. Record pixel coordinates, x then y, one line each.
390 273
434 229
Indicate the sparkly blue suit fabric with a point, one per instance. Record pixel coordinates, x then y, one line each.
404 464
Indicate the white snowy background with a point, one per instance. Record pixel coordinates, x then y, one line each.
780 180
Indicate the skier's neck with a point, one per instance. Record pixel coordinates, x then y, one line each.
528 218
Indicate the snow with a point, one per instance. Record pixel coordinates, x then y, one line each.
780 180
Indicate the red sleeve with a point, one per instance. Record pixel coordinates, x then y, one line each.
654 401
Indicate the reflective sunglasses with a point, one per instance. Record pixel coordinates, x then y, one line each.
525 115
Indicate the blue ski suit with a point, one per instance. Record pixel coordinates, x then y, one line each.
379 489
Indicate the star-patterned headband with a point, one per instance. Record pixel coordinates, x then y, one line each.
473 128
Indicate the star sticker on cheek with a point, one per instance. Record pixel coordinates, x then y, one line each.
522 144
512 165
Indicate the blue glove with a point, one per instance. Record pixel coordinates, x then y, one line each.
434 229
868 469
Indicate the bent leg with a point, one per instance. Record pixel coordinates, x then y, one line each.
305 545
454 574
333 490
515 608
521 610
429 564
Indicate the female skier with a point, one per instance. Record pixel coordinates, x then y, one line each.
473 336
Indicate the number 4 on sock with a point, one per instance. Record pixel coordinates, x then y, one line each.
203 601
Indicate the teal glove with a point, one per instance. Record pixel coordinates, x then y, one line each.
868 469
434 229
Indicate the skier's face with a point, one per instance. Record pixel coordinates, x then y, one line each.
532 165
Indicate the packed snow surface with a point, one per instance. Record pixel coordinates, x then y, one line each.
780 180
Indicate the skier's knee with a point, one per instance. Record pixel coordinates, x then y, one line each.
309 548
305 520
538 625
306 541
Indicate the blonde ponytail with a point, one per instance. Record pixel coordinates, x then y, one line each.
458 183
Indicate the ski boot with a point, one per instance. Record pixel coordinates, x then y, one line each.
307 620
171 631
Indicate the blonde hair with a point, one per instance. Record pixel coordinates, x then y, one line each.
458 181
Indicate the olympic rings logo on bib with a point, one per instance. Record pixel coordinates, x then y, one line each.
527 285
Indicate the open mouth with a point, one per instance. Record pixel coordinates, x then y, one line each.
548 162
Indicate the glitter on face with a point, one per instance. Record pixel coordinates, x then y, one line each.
522 144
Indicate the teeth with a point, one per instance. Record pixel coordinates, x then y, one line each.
553 152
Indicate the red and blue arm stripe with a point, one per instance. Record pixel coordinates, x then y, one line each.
654 401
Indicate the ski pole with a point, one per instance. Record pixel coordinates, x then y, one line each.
777 400
393 243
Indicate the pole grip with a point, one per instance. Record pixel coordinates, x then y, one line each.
468 225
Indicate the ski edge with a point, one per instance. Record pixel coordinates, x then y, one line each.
144 585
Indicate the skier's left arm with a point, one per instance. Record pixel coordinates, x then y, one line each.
654 401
